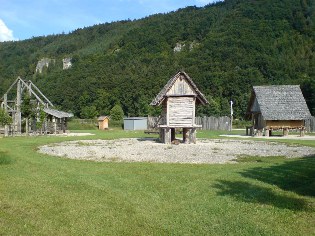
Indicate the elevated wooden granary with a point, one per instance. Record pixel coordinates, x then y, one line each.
179 98
277 107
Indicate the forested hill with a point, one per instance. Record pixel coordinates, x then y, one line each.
226 48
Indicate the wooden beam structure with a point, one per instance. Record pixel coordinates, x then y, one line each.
13 107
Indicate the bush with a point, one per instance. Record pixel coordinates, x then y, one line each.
241 124
116 123
77 124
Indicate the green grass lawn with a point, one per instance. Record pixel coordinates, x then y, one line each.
44 195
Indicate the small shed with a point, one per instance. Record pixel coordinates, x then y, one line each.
103 122
135 123
277 107
179 98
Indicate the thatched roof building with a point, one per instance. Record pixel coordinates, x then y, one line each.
278 107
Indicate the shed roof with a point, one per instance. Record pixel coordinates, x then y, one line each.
58 114
162 94
279 102
101 118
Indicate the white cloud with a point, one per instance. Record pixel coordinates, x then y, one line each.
5 33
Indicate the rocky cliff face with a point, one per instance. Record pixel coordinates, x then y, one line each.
44 62
66 62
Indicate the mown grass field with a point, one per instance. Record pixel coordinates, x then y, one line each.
44 195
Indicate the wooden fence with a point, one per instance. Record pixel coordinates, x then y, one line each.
310 124
214 123
208 123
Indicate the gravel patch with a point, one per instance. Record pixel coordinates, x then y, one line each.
148 150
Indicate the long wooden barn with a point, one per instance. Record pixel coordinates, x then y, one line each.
277 107
179 98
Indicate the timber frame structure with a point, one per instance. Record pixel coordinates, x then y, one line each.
178 99
11 102
277 107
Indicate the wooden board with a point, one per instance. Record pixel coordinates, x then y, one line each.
284 123
180 111
181 87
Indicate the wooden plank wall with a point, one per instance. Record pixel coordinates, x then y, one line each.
208 123
181 111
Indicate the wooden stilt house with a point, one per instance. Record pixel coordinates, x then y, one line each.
179 98
277 107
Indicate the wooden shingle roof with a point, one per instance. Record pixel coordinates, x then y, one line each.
163 93
58 114
279 102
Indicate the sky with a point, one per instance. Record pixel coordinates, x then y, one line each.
24 19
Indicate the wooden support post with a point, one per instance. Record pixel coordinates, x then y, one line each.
18 115
285 132
165 135
172 134
66 125
5 104
267 132
192 135
161 134
185 135
63 125
302 131
55 125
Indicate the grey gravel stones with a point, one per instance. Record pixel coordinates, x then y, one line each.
149 150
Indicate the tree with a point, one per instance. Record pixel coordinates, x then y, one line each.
27 109
117 113
5 118
40 118
88 112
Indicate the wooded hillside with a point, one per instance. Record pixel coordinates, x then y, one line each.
226 48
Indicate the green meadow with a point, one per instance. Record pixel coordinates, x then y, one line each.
46 195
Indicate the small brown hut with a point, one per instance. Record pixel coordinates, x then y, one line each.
277 107
103 122
178 99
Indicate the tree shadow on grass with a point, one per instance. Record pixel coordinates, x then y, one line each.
293 175
251 193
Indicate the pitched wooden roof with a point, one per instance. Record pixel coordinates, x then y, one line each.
101 118
58 114
279 102
163 93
